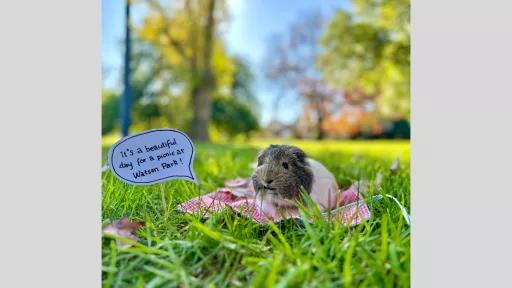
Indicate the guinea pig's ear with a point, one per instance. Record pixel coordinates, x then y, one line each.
260 157
299 154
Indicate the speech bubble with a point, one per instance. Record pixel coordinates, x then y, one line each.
153 156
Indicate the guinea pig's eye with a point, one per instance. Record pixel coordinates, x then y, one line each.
285 165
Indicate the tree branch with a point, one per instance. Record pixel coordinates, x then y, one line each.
174 43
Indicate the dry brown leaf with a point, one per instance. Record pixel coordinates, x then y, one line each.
123 228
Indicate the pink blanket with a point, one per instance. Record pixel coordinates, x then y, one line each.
239 195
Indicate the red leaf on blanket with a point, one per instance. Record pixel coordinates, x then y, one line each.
123 228
225 195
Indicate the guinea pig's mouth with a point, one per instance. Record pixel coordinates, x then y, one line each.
268 190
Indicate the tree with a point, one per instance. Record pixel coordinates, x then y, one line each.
290 65
279 72
109 111
202 92
146 71
242 87
185 36
321 100
233 117
368 50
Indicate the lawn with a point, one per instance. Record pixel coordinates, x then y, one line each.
229 250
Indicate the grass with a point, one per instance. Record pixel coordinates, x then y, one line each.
228 250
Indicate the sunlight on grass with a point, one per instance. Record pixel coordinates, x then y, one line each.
378 148
385 149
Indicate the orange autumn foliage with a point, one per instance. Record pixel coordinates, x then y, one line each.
352 120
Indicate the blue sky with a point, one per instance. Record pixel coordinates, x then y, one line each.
252 24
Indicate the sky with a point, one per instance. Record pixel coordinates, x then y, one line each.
252 24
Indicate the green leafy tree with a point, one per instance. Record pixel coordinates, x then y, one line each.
109 111
146 71
174 76
367 49
233 117
243 81
185 36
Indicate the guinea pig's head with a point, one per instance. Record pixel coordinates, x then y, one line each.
282 170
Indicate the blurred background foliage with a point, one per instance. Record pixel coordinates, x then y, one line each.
350 72
367 51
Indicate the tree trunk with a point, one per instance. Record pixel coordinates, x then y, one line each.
202 93
202 103
320 132
320 119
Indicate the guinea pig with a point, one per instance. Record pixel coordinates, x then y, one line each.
281 172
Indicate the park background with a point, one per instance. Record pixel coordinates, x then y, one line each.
331 77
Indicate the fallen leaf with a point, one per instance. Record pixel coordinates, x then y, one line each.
123 228
394 166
